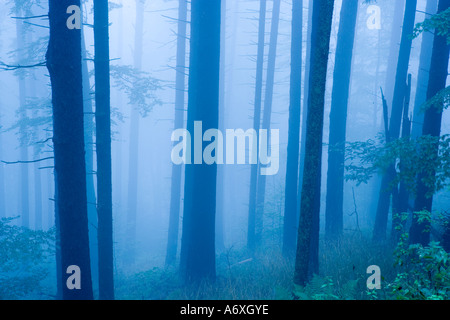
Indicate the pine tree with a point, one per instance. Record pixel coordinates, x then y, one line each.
103 148
432 124
334 213
310 199
64 66
198 238
290 206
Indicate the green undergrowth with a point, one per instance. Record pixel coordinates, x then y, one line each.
407 272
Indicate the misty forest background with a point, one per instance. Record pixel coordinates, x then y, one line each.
357 89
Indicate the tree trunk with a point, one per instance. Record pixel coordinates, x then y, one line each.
423 74
103 148
24 174
251 241
310 200
220 227
180 87
198 239
305 107
89 158
37 193
394 47
431 127
400 198
379 231
334 214
64 65
290 204
268 102
134 142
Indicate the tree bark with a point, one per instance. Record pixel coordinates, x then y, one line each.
180 85
292 166
198 239
423 74
310 200
334 213
103 148
64 65
432 123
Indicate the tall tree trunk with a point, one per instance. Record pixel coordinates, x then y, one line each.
431 127
220 244
394 47
89 158
400 199
423 74
334 213
24 174
310 201
198 240
290 204
180 87
267 115
134 141
305 107
381 219
64 65
251 241
103 148
117 163
37 185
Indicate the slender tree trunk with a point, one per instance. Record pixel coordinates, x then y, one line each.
37 193
431 127
400 199
89 156
376 180
251 241
267 115
305 107
220 244
394 47
134 141
198 240
334 214
117 163
380 228
64 65
103 148
24 174
423 74
37 185
180 87
290 204
310 201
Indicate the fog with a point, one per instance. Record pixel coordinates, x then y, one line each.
27 137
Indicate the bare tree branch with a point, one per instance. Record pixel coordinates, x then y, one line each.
26 162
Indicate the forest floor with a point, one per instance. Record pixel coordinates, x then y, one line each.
268 276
